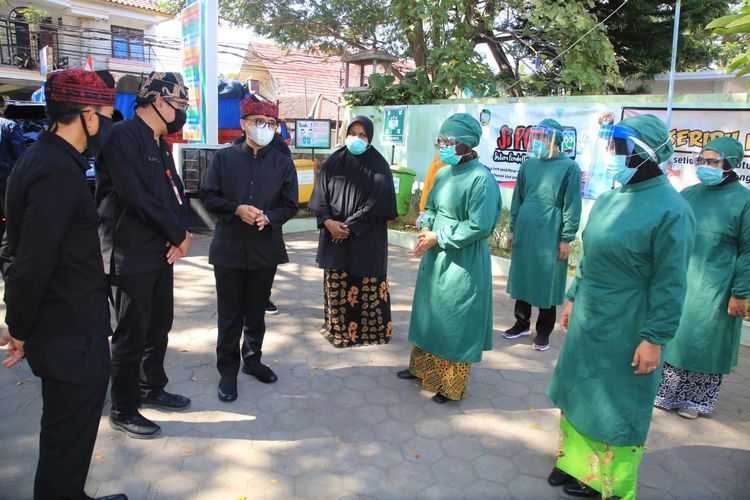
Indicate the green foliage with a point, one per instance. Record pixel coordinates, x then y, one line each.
34 15
641 34
440 37
736 28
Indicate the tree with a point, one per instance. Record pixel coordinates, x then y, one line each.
440 36
641 34
735 29
540 47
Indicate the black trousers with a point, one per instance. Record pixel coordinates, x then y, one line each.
241 298
545 322
144 308
74 376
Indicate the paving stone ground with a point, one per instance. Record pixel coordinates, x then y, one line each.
339 424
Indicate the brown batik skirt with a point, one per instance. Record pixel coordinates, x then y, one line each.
449 378
357 310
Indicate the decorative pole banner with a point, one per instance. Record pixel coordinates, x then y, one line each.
192 28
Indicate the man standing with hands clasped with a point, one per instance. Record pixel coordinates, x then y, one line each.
143 222
55 287
252 190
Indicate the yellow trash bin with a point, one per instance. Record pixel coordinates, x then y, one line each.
305 179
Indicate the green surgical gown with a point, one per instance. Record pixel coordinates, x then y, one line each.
629 287
546 210
708 339
451 313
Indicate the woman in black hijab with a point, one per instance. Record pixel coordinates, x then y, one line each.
354 198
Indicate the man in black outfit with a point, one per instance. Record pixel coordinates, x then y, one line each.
143 222
55 287
252 189
281 145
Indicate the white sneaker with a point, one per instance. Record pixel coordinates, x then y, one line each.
687 413
540 347
514 333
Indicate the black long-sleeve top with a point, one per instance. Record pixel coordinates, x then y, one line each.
140 200
358 191
54 281
266 180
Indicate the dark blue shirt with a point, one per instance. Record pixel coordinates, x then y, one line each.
12 145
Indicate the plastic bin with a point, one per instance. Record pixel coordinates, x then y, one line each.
403 178
305 179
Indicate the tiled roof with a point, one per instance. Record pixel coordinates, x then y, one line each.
141 4
296 72
292 106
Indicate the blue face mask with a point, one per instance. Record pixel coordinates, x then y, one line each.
448 155
617 168
539 149
709 176
355 145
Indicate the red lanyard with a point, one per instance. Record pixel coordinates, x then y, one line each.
174 187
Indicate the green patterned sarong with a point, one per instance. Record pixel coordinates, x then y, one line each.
612 470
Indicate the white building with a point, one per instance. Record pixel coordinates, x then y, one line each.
700 82
117 35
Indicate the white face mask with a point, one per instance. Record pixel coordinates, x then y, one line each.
260 136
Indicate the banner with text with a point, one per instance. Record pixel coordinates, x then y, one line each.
692 129
506 130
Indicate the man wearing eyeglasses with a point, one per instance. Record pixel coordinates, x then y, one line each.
143 227
252 190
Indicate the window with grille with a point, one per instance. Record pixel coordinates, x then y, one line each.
127 43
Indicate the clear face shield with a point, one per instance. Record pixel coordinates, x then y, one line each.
613 141
542 142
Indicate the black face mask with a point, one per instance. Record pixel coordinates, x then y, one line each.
180 117
95 143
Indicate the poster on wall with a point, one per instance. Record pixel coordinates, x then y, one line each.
505 134
692 129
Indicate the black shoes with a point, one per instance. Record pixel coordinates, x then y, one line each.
406 374
541 343
262 372
439 398
252 366
227 389
118 496
579 489
560 478
516 331
271 308
136 425
159 398
571 485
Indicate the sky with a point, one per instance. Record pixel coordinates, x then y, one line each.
232 45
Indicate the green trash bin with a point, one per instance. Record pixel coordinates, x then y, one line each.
403 178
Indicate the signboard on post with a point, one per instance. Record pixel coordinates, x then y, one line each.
312 134
192 27
394 125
